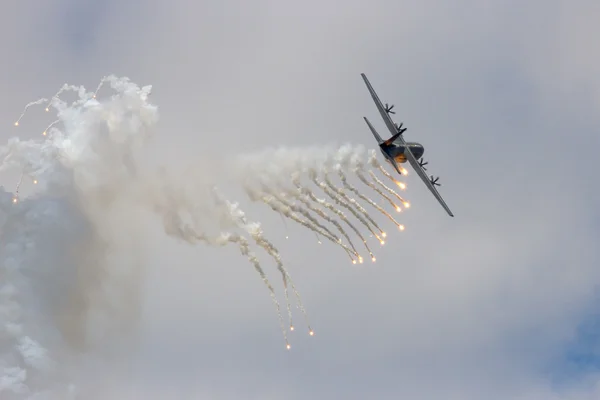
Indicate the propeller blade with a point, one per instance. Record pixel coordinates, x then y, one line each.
434 181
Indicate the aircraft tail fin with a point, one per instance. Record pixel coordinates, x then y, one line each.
391 140
374 132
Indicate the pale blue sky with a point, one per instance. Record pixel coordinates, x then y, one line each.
498 303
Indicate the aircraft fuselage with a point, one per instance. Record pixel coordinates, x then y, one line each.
396 151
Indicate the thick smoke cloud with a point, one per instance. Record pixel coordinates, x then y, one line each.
73 250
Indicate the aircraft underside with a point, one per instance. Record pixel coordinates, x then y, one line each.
400 158
397 152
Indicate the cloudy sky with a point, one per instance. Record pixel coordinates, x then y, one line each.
500 302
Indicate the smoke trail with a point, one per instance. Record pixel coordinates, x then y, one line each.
254 260
172 201
349 158
388 189
329 206
175 227
339 213
237 216
365 198
287 211
318 228
256 232
66 87
332 194
401 185
304 199
47 130
33 103
356 165
354 203
284 225
373 161
16 196
372 186
102 81
300 210
342 203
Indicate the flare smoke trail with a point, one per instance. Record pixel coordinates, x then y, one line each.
373 161
33 103
79 89
336 211
254 230
288 211
317 226
176 228
355 203
388 189
358 167
365 198
331 191
375 188
304 199
72 245
342 203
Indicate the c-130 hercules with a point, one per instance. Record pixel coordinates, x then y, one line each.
397 150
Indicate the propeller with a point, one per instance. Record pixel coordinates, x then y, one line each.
388 109
434 181
399 127
423 163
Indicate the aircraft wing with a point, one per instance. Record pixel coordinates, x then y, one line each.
386 117
419 170
409 155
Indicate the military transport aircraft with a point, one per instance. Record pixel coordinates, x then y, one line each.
397 150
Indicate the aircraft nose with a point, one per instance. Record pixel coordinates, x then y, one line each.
418 151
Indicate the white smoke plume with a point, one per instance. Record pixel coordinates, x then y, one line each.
71 253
